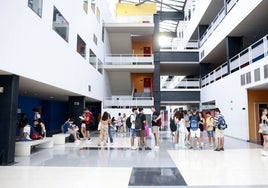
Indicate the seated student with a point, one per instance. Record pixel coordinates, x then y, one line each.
71 128
37 127
26 131
43 127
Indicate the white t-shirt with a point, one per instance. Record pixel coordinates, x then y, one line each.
132 120
27 131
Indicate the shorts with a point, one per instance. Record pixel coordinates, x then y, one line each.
140 133
155 129
219 133
201 127
83 125
195 133
210 133
132 133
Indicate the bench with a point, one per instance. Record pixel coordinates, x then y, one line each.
60 138
23 148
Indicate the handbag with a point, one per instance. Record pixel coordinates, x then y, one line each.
263 128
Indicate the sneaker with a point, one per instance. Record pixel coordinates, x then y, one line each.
217 149
140 148
148 148
222 149
156 147
77 141
191 148
89 139
133 148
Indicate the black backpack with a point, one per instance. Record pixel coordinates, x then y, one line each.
138 122
128 121
172 125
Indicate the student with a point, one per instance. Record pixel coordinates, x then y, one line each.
71 128
194 129
132 128
140 122
219 132
155 128
103 127
210 129
27 129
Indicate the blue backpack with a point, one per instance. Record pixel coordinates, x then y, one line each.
221 123
194 124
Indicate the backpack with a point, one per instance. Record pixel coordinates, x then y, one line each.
159 122
138 122
194 125
172 125
128 121
221 123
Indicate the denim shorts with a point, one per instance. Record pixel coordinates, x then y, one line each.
133 133
210 133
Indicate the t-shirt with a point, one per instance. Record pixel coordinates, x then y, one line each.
27 131
143 118
132 120
67 125
154 116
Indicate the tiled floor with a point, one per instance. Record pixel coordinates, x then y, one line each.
86 165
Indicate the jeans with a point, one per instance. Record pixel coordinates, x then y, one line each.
110 132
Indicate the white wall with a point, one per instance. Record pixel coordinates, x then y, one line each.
232 99
238 13
31 48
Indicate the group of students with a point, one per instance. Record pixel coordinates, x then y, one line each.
190 126
136 130
29 132
87 120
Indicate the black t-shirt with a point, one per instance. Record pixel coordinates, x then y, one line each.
154 116
143 118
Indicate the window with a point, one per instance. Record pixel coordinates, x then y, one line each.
85 5
265 70
248 78
243 80
100 67
98 14
93 6
81 46
60 24
257 76
36 6
95 39
92 58
102 32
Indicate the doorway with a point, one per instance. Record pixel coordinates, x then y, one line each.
257 119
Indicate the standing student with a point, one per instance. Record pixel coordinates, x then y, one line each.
194 129
132 128
88 121
264 119
219 132
104 123
210 131
155 128
140 122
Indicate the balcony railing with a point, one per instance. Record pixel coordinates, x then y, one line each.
127 102
183 84
216 21
255 52
129 59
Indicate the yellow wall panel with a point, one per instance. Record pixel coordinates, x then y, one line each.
130 9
